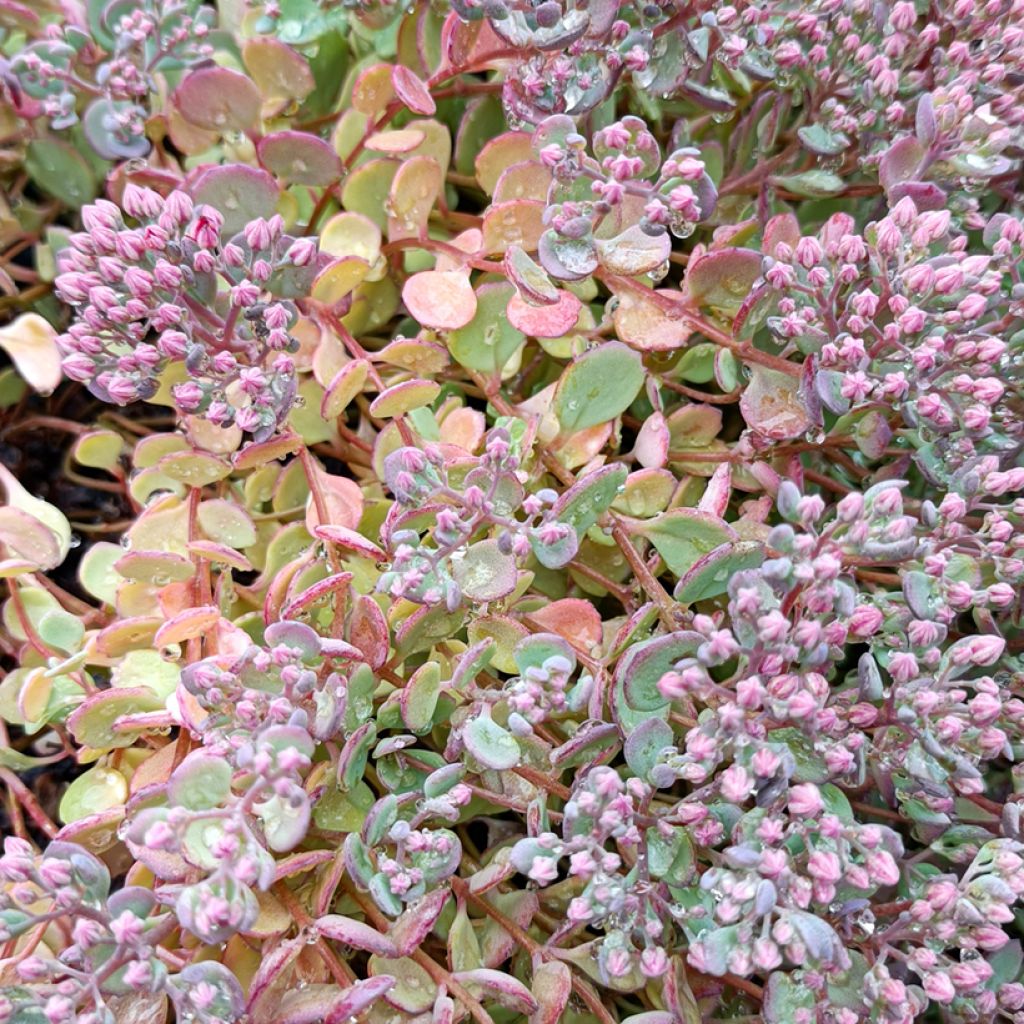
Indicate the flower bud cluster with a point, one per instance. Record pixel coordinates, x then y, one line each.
466 496
623 903
112 949
905 318
168 297
54 73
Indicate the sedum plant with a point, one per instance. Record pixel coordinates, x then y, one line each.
511 511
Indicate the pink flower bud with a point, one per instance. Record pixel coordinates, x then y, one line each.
805 801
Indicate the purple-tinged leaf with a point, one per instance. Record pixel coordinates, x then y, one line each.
356 934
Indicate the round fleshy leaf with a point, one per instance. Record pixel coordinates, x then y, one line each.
373 90
351 234
343 500
298 158
395 142
645 325
404 397
526 180
548 321
339 279
262 453
488 340
346 384
98 449
31 342
414 191
634 252
493 746
196 469
218 99
93 724
442 300
684 535
26 538
709 576
187 625
485 573
501 152
350 540
201 782
97 790
61 171
156 567
240 193
530 280
224 522
517 222
772 405
410 89
723 279
51 517
366 189
282 75
598 386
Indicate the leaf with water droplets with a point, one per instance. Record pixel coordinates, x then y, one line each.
722 280
489 340
218 99
441 299
598 386
493 746
485 572
298 158
772 404
683 535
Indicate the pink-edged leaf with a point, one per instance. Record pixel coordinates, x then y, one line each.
531 280
575 619
298 158
782 228
715 498
343 499
497 945
356 934
218 99
27 539
440 299
485 572
187 625
271 970
900 162
652 442
502 988
410 89
31 342
552 986
368 631
308 1005
299 863
464 427
490 877
722 279
416 923
357 998
339 582
634 252
773 406
350 540
547 321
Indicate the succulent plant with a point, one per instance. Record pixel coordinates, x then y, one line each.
511 510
